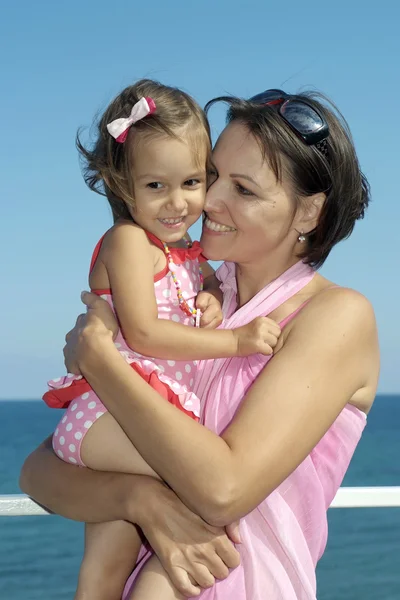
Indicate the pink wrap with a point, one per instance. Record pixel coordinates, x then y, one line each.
284 537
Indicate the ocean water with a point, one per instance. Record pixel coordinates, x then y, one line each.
39 556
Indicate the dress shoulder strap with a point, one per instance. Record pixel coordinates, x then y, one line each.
292 315
96 253
154 239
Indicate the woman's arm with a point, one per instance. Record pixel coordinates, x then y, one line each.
286 412
80 494
184 543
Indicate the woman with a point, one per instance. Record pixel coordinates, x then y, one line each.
279 434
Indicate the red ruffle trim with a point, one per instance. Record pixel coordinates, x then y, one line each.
62 397
180 255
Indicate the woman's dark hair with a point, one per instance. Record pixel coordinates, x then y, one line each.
107 165
337 174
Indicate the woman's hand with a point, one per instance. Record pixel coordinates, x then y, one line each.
189 549
193 553
98 321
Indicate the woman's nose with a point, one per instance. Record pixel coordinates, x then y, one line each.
214 198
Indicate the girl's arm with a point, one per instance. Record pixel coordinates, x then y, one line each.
127 256
286 412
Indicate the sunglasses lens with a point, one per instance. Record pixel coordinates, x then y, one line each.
302 117
268 96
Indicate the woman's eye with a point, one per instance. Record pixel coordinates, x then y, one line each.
243 191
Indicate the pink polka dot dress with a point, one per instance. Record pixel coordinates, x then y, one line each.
172 379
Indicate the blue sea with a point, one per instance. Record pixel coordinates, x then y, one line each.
39 556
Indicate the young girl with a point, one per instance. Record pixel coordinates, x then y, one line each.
150 160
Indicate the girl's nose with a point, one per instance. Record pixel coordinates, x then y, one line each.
177 201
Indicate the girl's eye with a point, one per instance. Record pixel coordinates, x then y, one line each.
242 190
192 182
155 185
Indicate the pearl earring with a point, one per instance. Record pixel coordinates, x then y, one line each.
301 238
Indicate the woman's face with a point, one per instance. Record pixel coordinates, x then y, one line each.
249 214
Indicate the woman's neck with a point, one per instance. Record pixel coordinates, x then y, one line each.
253 277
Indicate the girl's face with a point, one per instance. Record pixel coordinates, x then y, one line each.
169 187
249 214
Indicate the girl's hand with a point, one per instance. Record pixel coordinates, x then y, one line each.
260 336
210 307
98 321
193 553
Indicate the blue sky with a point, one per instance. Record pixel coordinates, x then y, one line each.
62 62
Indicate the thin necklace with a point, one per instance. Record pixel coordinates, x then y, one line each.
183 305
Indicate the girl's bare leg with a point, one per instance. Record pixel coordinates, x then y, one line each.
105 447
111 549
153 583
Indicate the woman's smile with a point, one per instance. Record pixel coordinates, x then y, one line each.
215 227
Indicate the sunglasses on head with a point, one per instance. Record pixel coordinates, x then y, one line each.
301 117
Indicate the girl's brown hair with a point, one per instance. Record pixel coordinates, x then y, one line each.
107 164
337 174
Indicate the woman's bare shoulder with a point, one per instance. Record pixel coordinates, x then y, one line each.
331 301
344 319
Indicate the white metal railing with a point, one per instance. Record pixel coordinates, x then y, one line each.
347 497
20 505
367 497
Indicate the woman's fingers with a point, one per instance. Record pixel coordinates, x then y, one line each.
185 584
184 542
217 567
70 361
99 317
228 554
78 325
98 310
233 532
90 299
70 364
202 575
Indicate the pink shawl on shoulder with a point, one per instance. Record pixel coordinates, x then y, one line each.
284 537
